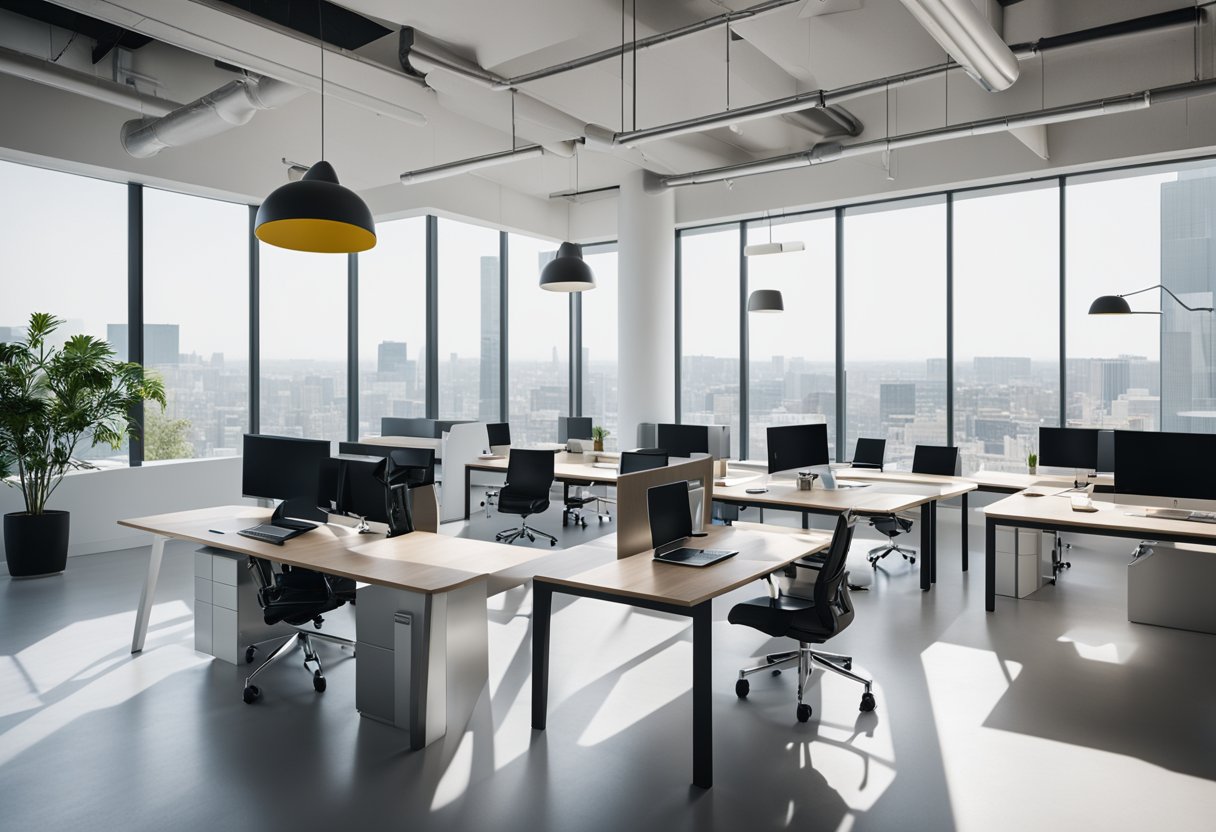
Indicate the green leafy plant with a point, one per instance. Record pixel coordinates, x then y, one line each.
53 398
599 433
1032 460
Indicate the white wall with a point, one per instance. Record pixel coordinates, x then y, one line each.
97 499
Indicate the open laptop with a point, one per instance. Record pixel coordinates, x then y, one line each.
671 527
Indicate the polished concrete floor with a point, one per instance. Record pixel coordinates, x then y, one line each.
1053 713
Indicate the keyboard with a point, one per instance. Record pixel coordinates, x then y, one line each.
695 557
1169 513
270 534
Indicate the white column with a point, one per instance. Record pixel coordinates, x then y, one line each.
647 304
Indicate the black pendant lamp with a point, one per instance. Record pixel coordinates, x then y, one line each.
568 271
316 213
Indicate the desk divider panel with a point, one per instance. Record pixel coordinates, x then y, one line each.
633 522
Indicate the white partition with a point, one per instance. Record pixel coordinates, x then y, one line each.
459 447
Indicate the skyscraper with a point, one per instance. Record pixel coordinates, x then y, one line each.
896 399
161 343
392 360
491 340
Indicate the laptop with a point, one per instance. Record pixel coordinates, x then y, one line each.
671 527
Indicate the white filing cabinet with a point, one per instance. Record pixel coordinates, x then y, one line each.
1019 553
227 618
1171 586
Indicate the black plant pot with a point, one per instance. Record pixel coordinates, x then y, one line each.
36 544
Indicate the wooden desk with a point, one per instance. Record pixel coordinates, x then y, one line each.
1055 514
642 582
422 619
875 499
1009 482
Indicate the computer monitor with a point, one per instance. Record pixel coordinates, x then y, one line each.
573 427
1177 466
634 461
1106 451
797 446
669 513
397 426
282 468
498 434
422 459
1069 448
940 460
683 440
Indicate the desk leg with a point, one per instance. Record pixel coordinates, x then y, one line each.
806 520
966 524
933 565
144 612
542 608
926 546
468 487
702 696
989 565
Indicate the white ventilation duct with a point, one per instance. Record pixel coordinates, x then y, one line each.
82 83
216 112
962 31
431 174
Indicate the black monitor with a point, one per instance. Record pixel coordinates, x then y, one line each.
669 512
573 427
282 467
1156 464
498 433
395 426
422 459
635 461
797 446
1069 448
1106 451
683 440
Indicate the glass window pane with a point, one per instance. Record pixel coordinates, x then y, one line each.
392 324
196 324
84 282
895 326
792 354
303 343
470 330
1006 313
539 345
600 342
709 329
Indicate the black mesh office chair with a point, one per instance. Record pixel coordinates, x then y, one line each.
498 435
811 621
926 459
869 453
529 478
297 597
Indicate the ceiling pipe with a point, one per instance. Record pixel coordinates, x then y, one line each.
489 160
960 29
91 86
1184 17
216 112
832 151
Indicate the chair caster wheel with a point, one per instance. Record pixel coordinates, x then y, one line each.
912 561
250 652
776 671
803 713
742 688
552 542
252 694
847 665
867 702
318 682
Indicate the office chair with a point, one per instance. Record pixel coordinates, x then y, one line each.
869 453
529 478
926 459
498 435
811 621
643 459
295 596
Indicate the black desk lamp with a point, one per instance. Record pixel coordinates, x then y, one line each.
1116 305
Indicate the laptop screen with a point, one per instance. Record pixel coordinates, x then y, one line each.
670 516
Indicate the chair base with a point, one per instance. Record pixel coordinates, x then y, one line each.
807 657
253 693
879 552
524 530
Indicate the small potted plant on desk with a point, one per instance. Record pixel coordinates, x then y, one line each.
51 399
1032 462
598 435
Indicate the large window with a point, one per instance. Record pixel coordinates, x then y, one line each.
709 329
599 358
895 326
196 324
470 323
303 343
1006 314
392 324
792 355
538 347
84 280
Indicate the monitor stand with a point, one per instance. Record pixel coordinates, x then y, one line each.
280 519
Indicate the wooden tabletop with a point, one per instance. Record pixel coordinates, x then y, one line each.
419 561
947 486
1021 480
641 576
566 468
872 499
1110 516
403 441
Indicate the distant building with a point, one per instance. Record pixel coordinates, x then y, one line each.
392 361
161 343
896 399
491 340
1000 369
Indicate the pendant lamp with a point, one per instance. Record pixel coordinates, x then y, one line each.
766 300
316 213
568 271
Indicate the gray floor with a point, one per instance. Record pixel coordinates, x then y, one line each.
1054 713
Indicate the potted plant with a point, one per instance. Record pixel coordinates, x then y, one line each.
1032 461
598 434
52 399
